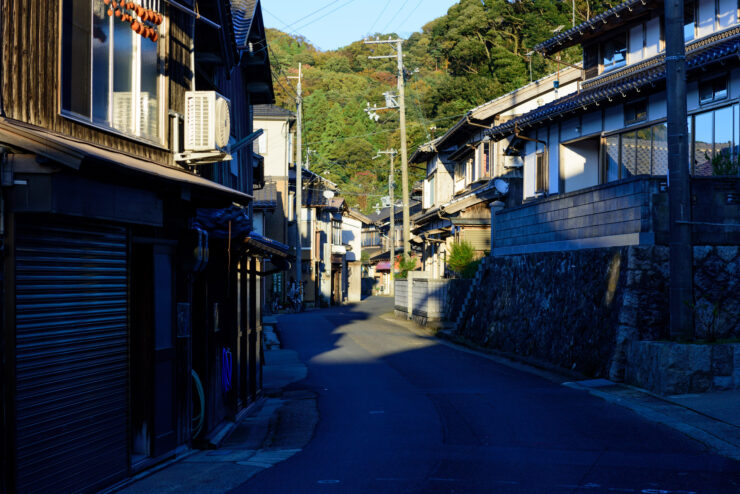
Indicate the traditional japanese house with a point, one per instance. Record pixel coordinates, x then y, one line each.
596 161
130 269
467 170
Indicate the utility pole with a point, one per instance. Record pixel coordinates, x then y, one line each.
681 294
396 44
392 231
299 177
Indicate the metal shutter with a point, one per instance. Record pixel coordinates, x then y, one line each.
479 238
71 357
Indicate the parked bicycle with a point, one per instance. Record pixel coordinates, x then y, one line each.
295 296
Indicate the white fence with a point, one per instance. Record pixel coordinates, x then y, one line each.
420 298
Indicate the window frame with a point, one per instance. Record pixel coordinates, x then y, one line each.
162 86
714 98
636 119
541 173
624 35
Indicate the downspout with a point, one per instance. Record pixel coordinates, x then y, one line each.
2 52
544 143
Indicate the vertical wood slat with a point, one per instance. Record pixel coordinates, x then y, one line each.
14 94
31 78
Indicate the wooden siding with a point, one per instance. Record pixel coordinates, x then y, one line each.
31 74
618 208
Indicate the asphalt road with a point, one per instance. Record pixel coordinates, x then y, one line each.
404 413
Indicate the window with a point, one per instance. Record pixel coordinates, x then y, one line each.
111 76
460 170
637 152
614 53
635 112
262 143
714 133
370 238
541 179
713 90
336 232
485 165
689 21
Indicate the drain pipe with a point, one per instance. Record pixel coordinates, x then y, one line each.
2 50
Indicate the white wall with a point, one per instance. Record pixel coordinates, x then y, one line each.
591 122
553 157
613 118
279 146
580 164
352 236
657 106
529 168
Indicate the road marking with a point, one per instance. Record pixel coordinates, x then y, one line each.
329 482
377 412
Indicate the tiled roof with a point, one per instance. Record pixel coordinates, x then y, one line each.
271 111
700 55
266 197
243 12
606 20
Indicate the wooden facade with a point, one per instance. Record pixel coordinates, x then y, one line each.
31 75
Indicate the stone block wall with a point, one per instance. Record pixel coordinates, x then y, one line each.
562 307
670 368
582 309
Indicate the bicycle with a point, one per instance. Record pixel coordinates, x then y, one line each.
296 299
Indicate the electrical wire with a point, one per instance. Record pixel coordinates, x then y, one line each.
380 15
382 131
409 16
326 15
395 15
314 12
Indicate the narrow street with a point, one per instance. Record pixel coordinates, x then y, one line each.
399 412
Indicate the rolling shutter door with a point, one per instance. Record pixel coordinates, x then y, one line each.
479 238
71 357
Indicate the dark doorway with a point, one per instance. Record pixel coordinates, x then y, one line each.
152 352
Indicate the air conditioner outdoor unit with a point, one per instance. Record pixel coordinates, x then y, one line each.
207 128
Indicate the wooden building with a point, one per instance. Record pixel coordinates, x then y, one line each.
130 271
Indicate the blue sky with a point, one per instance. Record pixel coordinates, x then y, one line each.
330 24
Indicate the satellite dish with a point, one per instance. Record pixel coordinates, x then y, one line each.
501 185
328 194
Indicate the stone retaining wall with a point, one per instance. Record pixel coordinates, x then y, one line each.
670 368
581 309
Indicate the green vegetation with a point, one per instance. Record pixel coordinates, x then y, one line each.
461 259
724 164
405 265
476 52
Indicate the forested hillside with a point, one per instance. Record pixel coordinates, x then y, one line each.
478 51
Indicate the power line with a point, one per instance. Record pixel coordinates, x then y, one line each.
383 131
326 15
409 16
382 11
314 12
396 15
